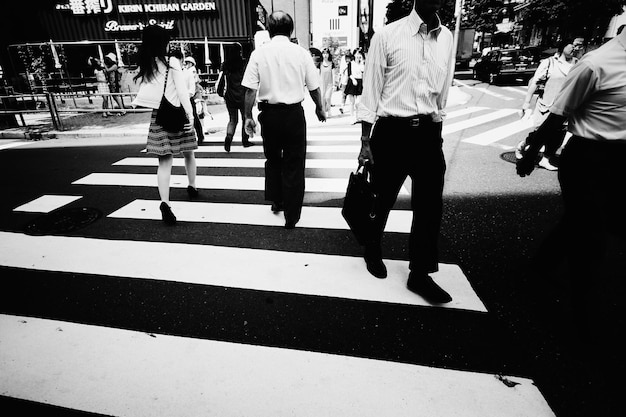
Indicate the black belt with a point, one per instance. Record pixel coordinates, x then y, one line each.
412 121
264 105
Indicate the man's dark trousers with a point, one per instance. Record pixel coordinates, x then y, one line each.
404 147
283 128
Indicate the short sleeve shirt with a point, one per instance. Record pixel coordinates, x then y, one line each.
593 97
280 70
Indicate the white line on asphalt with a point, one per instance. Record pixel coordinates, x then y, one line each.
476 121
256 214
47 203
239 163
320 185
130 373
256 269
500 133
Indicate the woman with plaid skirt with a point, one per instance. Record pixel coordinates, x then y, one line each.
160 76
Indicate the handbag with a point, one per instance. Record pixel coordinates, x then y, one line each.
171 118
359 205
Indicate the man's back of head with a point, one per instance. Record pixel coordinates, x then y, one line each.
279 23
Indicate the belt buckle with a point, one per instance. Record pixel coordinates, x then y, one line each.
414 122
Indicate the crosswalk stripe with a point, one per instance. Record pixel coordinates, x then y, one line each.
312 217
239 163
290 272
499 133
351 149
319 185
47 203
129 373
476 121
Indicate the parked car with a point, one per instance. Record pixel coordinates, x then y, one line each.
498 64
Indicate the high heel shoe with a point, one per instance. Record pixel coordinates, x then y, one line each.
227 142
166 214
192 192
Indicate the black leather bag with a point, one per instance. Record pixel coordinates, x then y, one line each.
359 205
171 118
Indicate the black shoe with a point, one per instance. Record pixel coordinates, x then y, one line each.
277 207
290 224
227 142
424 286
247 144
167 215
192 192
374 262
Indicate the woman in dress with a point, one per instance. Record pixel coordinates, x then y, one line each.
327 78
160 76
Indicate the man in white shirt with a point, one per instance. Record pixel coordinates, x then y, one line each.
278 71
405 87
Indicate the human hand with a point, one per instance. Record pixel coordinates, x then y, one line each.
365 155
321 114
250 127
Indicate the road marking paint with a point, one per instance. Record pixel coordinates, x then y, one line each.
47 203
256 214
130 373
500 133
321 185
239 163
476 121
265 270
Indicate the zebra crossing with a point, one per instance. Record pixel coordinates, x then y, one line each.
116 369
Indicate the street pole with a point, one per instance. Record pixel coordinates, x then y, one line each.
457 31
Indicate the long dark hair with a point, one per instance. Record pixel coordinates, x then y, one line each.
154 41
233 61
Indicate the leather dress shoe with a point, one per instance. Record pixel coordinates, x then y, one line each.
277 207
424 286
374 262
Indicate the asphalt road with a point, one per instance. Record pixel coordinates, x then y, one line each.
494 224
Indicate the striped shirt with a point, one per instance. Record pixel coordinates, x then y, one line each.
407 71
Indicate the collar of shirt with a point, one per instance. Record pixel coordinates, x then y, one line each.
417 24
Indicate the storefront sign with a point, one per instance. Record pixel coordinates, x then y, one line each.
114 26
96 7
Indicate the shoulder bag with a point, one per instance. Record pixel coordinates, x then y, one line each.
171 118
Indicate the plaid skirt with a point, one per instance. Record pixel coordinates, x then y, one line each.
161 142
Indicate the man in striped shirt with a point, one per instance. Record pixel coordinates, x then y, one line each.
405 87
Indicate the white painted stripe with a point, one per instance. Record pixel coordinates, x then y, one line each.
352 149
476 121
47 203
500 133
322 185
312 217
239 163
130 373
257 269
12 145
515 90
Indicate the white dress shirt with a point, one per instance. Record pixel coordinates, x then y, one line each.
407 71
279 70
593 97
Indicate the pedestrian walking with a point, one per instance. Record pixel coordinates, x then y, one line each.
406 82
102 84
327 79
550 75
114 78
229 87
354 87
160 77
278 71
193 81
592 176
